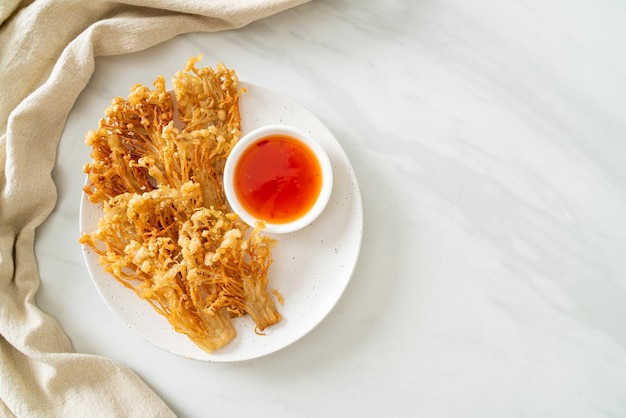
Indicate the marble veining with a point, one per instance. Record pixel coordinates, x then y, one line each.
488 141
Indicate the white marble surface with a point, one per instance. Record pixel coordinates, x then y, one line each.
488 138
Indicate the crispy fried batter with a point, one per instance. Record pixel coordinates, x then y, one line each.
166 230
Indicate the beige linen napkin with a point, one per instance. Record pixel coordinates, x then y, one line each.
47 50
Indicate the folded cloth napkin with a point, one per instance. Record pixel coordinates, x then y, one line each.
47 50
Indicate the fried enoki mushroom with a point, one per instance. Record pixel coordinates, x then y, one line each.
166 230
137 146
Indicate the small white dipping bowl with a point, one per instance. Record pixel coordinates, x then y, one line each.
252 138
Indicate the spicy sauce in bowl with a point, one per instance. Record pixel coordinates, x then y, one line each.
279 175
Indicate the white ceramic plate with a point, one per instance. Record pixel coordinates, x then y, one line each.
311 267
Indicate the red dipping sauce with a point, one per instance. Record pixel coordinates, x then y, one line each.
278 179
